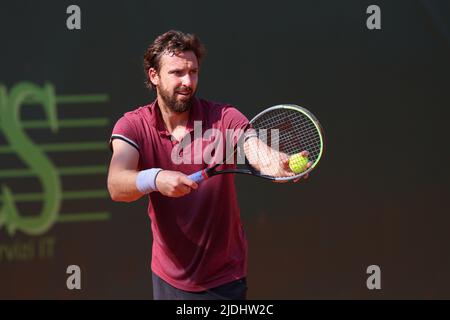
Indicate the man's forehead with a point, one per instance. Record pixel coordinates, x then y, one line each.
179 59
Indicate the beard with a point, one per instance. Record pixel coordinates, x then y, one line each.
170 100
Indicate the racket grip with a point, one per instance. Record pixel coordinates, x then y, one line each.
198 176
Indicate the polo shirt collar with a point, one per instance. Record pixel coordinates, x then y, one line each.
157 121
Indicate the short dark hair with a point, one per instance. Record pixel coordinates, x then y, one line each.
173 42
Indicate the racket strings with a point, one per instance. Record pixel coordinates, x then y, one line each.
282 133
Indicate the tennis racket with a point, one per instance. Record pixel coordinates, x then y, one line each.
278 135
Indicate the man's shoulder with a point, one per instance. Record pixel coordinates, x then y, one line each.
135 119
225 113
214 106
137 112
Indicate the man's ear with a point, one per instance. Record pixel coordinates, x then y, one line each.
153 76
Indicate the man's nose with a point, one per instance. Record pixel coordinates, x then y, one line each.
187 81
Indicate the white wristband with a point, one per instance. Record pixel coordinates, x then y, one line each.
146 180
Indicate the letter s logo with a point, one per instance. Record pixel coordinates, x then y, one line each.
39 164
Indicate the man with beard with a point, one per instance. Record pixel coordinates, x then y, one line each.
199 247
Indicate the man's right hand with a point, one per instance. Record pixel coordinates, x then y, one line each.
174 183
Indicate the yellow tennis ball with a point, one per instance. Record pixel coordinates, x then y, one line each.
298 163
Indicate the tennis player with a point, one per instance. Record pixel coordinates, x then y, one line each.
199 247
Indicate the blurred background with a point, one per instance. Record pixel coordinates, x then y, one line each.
379 196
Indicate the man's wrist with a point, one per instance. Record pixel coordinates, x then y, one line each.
146 180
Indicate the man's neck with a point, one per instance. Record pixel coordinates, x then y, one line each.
175 122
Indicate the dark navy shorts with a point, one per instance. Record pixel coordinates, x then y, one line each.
235 290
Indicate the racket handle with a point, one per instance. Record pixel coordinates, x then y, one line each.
198 176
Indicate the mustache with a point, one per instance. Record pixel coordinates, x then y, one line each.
183 89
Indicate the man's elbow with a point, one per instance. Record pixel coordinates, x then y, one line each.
118 196
114 195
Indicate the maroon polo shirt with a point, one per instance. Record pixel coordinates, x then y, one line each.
198 239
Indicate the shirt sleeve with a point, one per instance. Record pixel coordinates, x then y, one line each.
235 124
126 131
234 119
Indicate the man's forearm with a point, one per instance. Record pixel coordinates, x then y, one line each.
257 153
122 186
